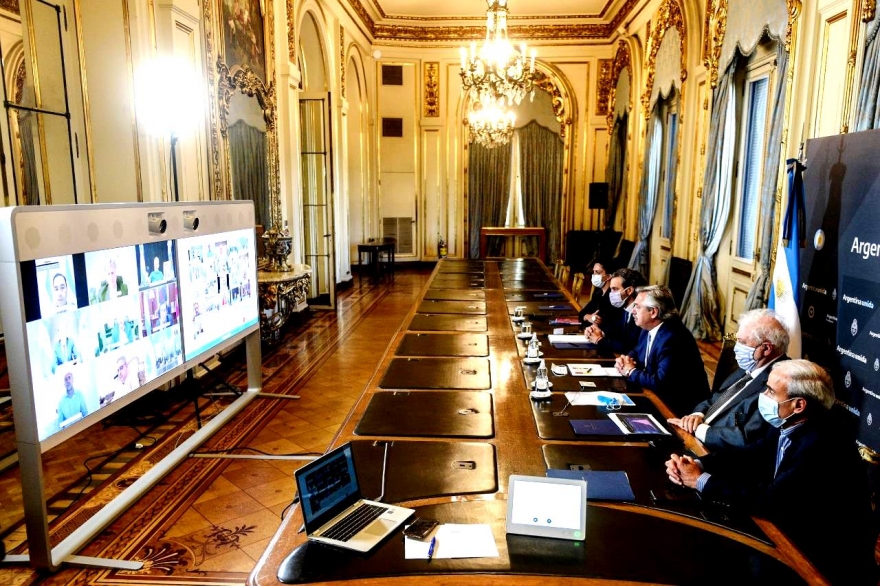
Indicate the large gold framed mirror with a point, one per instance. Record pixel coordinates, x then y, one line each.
244 150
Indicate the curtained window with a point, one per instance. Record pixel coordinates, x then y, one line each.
753 129
667 165
867 110
488 182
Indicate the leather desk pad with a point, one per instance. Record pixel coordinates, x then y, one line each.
447 323
456 294
457 307
457 277
521 296
461 269
533 307
646 468
623 545
457 468
437 373
458 284
551 351
528 285
428 414
444 345
551 427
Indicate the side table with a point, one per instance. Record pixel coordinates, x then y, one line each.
282 293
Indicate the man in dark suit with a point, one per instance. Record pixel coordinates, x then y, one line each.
666 359
730 418
805 474
617 331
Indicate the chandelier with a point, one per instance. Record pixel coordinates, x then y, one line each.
490 123
498 70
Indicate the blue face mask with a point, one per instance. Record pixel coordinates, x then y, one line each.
769 410
745 356
615 298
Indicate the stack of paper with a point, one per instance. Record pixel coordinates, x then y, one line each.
453 540
592 370
569 341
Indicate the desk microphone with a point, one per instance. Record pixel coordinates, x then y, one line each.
562 413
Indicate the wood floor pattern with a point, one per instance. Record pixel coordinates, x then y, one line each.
208 521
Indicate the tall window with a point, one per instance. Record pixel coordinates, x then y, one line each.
668 186
753 147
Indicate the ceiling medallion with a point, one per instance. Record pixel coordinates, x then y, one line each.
490 123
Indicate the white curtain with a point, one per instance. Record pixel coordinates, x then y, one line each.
515 216
648 197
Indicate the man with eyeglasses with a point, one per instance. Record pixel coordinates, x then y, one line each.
730 417
805 475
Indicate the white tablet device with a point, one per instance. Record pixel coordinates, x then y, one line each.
547 507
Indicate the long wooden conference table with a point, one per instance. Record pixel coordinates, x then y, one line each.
450 404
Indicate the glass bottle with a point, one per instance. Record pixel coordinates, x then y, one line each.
532 352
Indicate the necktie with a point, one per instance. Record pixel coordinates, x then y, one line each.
648 348
728 394
784 442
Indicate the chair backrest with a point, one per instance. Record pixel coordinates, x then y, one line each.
624 253
557 268
726 362
577 286
679 276
563 275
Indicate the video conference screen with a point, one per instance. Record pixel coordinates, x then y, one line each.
99 326
218 295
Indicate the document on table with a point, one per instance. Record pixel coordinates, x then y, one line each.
592 370
454 541
600 398
569 340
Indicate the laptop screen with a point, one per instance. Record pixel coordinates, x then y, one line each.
327 486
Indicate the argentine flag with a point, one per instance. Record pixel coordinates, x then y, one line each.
784 293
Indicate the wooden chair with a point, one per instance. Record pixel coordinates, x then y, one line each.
557 268
577 287
563 276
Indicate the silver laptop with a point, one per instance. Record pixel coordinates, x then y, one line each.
333 509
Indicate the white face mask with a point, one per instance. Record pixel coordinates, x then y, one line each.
769 410
597 280
745 356
615 299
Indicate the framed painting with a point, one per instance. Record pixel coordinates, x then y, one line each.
243 25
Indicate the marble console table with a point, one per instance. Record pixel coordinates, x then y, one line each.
282 293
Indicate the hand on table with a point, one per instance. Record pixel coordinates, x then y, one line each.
688 423
683 470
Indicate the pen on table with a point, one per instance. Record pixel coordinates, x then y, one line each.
588 369
431 548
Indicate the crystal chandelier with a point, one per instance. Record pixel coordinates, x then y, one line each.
490 123
498 70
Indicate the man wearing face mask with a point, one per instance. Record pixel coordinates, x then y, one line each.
804 474
730 418
619 333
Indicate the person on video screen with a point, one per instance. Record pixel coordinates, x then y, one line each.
60 292
72 403
125 381
157 275
64 346
114 286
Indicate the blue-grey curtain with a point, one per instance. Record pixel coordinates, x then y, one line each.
867 110
615 172
648 194
541 154
757 296
488 180
30 185
250 179
699 309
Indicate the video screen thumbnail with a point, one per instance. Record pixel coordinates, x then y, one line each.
218 290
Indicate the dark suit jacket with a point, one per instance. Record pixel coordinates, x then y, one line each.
740 423
675 370
598 301
621 334
819 497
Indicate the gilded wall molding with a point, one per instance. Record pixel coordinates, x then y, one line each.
10 6
869 8
557 100
794 11
432 90
342 60
668 15
622 60
714 30
291 31
604 84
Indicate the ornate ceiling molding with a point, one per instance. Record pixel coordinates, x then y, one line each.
714 29
622 60
669 15
429 33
